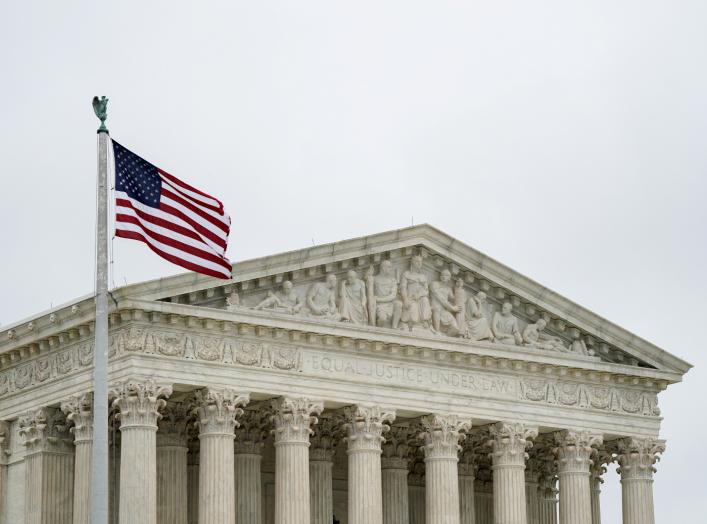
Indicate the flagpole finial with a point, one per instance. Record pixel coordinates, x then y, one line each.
100 107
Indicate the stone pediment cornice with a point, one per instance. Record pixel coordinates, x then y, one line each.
304 267
414 346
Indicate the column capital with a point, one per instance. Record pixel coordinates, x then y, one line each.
292 418
509 441
416 476
139 401
600 460
251 432
216 410
637 457
365 426
323 441
173 426
4 441
397 449
442 434
547 472
574 450
79 410
45 429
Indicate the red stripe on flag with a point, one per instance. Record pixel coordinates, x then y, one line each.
226 275
158 221
196 209
174 179
181 246
204 232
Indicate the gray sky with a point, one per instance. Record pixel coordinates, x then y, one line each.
565 139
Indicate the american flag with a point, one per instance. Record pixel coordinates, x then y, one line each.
177 221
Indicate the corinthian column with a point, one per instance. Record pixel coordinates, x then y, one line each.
78 410
441 446
637 457
321 463
574 450
394 476
467 493
597 470
193 479
416 491
292 420
365 426
250 438
139 403
49 467
172 465
532 479
508 443
4 452
216 411
547 491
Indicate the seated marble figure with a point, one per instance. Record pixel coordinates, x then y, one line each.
505 326
321 299
284 301
533 336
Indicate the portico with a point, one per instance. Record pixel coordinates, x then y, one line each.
346 381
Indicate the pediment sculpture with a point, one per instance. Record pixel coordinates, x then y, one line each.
408 295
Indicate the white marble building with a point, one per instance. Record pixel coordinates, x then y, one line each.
400 378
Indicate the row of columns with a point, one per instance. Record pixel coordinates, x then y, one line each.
382 487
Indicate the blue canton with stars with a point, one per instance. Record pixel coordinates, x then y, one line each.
136 177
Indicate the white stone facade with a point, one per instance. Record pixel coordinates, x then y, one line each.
401 378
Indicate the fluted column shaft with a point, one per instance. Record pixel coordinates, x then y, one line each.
320 478
574 451
193 483
172 464
78 410
467 497
250 439
483 498
595 494
394 480
509 442
49 467
4 452
547 508
636 466
216 411
416 503
364 428
532 501
139 403
292 419
441 446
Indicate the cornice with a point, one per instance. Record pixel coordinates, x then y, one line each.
40 333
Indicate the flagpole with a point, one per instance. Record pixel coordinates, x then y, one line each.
99 458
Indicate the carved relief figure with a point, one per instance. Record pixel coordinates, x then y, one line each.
533 336
505 326
460 298
233 301
384 305
443 307
477 322
285 300
579 346
321 299
415 293
352 299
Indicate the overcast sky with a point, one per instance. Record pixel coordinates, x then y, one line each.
565 139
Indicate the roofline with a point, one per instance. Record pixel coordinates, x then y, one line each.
424 234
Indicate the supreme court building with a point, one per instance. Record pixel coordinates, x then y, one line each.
400 378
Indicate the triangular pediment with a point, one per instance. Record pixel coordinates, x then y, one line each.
263 285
